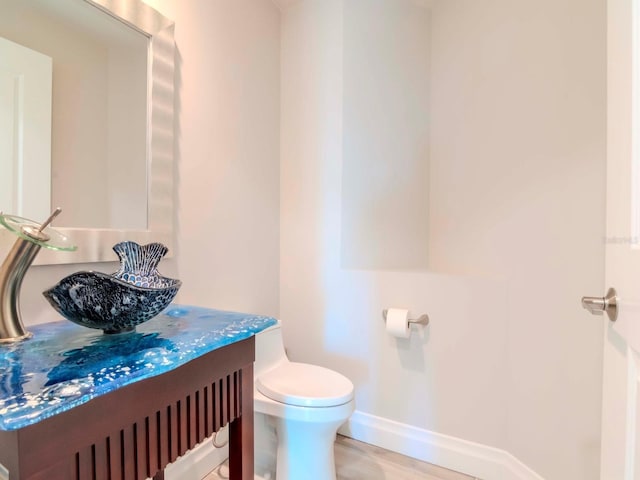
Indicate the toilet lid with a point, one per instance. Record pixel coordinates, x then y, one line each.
305 385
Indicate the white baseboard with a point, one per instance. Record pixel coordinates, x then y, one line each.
481 461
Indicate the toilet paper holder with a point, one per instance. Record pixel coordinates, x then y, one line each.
421 320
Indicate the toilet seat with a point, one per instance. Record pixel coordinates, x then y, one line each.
305 385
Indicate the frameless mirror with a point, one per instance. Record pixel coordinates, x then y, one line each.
110 154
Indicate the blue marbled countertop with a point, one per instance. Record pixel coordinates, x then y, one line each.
64 365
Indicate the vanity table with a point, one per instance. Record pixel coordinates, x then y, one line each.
76 404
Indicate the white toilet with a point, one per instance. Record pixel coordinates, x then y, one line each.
298 409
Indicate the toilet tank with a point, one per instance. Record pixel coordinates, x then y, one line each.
269 349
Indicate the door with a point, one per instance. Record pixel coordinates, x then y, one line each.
621 377
25 131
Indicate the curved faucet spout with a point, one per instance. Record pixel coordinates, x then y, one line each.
31 237
12 273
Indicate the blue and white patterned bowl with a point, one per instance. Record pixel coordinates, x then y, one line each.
117 303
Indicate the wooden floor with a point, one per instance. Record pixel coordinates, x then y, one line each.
360 461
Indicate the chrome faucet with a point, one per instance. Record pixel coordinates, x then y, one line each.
31 237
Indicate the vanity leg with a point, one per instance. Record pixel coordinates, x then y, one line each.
241 432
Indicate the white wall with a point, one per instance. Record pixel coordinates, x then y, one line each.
332 315
386 50
518 155
516 211
227 151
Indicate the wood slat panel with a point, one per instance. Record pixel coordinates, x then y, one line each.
128 453
139 450
223 401
241 463
153 445
215 404
183 439
239 394
84 463
140 436
241 383
233 393
62 470
163 437
125 444
159 476
101 461
174 432
206 401
201 409
192 420
114 452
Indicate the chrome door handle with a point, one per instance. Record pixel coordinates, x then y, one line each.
608 303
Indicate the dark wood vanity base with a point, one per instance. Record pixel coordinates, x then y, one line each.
134 432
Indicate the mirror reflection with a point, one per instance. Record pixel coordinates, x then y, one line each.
98 148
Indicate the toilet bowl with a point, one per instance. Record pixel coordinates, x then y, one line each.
298 410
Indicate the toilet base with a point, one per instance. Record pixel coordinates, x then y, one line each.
297 442
304 450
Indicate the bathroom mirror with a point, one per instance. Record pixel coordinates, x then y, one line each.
112 125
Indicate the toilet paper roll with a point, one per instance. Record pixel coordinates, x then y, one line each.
398 322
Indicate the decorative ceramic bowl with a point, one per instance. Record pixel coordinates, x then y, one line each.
118 302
